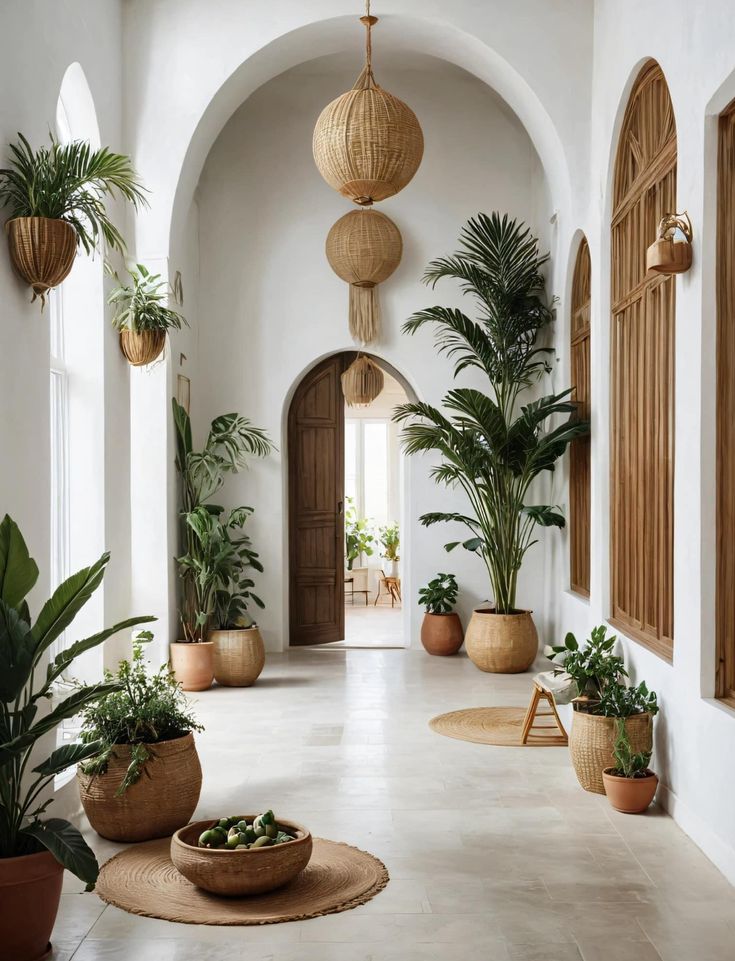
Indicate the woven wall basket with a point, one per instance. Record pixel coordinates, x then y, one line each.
42 251
364 248
362 382
142 346
592 740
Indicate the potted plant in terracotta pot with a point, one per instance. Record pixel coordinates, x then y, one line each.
144 778
441 630
35 849
390 539
359 539
629 785
231 440
490 446
57 196
141 315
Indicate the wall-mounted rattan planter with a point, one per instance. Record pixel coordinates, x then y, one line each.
501 643
239 656
42 251
592 740
142 347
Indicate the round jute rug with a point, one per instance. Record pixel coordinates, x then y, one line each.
144 881
486 725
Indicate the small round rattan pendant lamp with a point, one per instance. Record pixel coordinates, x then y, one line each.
362 382
364 248
367 143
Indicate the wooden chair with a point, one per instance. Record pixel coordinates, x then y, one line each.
392 587
543 733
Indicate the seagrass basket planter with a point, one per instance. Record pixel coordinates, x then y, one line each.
142 347
592 740
238 656
42 251
501 643
362 382
160 802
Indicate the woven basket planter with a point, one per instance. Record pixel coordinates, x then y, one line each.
42 251
501 643
592 740
238 656
142 347
159 803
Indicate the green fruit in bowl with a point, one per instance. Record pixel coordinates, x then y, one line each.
263 842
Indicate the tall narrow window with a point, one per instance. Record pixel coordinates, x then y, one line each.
642 372
725 680
579 455
59 422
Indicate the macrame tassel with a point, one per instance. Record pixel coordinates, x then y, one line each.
364 313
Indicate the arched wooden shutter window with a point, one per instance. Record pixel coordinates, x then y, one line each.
642 372
579 455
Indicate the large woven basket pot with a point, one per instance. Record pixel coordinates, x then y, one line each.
42 251
442 634
142 347
30 890
592 740
501 643
192 664
159 803
238 656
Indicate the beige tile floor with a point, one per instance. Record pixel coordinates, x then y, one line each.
495 854
372 626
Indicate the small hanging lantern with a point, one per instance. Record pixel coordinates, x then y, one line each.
667 255
367 144
364 248
362 382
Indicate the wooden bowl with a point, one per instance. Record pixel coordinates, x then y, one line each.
234 873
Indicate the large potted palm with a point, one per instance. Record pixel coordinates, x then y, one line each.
35 849
490 446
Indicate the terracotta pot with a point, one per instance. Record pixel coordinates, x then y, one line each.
42 250
162 800
238 656
142 346
30 889
192 664
442 633
629 795
501 643
592 740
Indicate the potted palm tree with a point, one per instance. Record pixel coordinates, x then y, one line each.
57 197
35 849
141 315
209 557
441 630
487 446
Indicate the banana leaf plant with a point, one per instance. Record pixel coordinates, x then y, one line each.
490 445
26 683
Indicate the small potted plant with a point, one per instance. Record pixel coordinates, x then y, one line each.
34 848
390 539
441 630
57 196
141 315
629 785
359 539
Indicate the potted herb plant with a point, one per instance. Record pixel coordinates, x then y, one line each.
629 785
144 779
490 446
390 539
57 196
359 539
206 527
441 630
603 699
141 315
35 849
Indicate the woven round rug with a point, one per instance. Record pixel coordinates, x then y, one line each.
486 725
143 880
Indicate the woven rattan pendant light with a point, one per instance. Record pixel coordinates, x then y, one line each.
362 382
367 143
364 248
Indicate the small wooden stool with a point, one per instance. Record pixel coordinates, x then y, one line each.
559 735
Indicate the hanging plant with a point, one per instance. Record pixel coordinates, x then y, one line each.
141 314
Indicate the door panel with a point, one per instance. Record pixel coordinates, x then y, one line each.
316 495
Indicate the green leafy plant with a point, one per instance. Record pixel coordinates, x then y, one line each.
26 680
70 182
488 448
620 701
359 539
390 539
627 763
141 304
440 594
594 667
144 708
216 551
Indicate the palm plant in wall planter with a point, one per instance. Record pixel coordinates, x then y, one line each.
141 315
490 446
57 199
217 554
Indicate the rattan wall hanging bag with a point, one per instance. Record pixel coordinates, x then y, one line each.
367 143
362 382
364 248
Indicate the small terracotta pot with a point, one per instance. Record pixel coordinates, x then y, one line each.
30 889
501 643
142 347
442 633
629 795
193 664
238 656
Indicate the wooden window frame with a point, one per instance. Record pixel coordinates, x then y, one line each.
580 450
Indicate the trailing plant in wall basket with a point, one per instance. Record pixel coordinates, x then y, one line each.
142 315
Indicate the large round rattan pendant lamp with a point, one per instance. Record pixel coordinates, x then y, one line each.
362 382
364 248
368 144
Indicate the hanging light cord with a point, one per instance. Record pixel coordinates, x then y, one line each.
369 22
